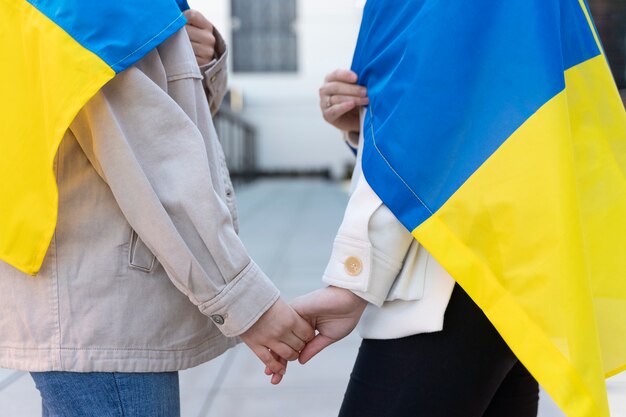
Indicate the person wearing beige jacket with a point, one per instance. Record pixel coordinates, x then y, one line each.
145 274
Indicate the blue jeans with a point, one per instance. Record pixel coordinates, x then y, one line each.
102 394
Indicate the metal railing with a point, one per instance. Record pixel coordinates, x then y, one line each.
239 141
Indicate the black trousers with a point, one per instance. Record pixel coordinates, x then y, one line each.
466 370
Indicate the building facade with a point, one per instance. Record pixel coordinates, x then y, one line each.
280 51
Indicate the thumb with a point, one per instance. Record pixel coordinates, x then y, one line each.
309 305
301 307
315 346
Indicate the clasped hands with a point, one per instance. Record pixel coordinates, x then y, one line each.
300 331
320 318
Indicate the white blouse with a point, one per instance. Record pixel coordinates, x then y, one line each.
377 258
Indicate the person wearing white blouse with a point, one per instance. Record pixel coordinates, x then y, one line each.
427 349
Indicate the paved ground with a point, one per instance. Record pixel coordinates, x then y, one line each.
288 227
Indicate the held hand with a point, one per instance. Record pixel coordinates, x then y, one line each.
279 335
340 99
334 312
200 32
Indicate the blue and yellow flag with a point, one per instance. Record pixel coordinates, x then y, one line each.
56 54
496 134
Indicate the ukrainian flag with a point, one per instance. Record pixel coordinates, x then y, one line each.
56 54
496 134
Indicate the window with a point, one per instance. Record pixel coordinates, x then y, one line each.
264 39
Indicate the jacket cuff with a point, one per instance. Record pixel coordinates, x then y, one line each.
240 304
215 74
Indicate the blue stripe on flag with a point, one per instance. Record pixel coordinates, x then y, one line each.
119 32
449 82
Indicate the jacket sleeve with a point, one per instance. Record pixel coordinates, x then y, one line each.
215 74
154 158
369 248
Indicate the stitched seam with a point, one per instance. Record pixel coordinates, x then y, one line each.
57 294
251 267
120 403
389 165
184 76
130 349
134 238
350 241
149 41
262 311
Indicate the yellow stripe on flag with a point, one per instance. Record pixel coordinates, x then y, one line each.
536 237
48 76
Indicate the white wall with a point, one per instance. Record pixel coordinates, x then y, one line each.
284 107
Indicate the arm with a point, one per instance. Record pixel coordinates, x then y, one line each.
370 235
369 248
370 245
211 54
154 159
367 256
366 259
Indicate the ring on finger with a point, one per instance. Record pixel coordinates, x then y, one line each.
329 102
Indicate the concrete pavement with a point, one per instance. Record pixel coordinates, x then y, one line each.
288 226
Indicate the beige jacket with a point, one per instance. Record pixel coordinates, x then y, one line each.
145 272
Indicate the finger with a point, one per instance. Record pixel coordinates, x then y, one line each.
281 360
202 61
204 50
284 350
303 331
197 19
336 111
201 36
298 332
268 359
284 362
341 74
204 54
340 88
294 342
315 346
276 378
359 101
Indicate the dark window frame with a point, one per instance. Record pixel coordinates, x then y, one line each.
264 39
610 19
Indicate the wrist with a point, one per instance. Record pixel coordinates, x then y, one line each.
358 303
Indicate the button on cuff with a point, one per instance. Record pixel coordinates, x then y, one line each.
241 302
353 266
217 319
350 264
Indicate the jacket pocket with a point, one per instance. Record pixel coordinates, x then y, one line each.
139 256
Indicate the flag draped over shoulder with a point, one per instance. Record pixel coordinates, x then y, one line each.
496 134
56 54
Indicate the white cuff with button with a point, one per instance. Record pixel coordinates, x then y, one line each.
350 264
